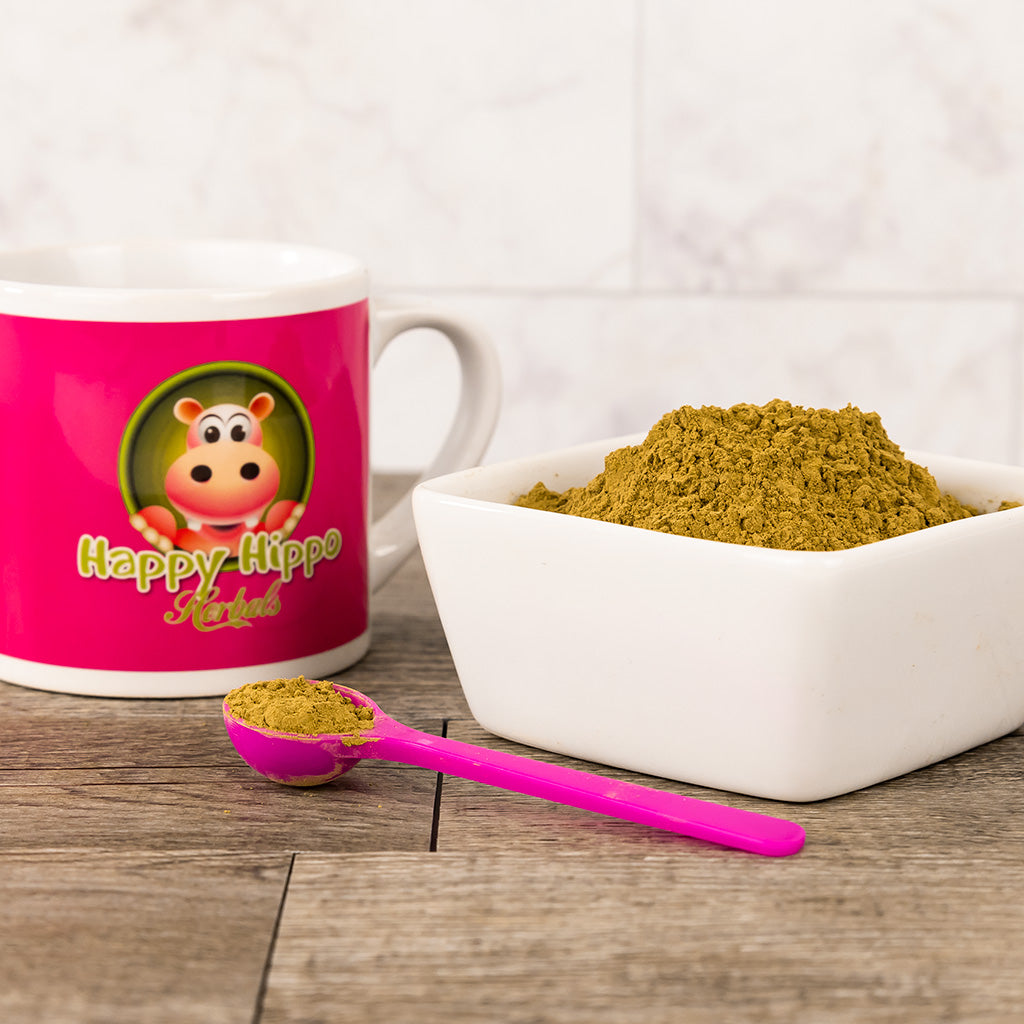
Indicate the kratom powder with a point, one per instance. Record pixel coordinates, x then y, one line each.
773 476
300 706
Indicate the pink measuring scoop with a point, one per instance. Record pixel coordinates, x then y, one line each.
299 760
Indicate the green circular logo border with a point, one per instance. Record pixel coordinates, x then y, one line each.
195 373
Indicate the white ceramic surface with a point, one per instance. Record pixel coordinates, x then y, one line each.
678 200
781 674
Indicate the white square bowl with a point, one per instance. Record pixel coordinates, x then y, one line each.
790 675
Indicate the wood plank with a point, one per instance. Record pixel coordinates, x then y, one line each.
618 938
409 669
374 807
43 730
972 801
145 938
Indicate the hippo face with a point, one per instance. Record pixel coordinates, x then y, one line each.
225 479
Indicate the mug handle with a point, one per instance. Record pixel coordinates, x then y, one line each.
392 537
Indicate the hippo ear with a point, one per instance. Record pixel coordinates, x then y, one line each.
187 409
262 405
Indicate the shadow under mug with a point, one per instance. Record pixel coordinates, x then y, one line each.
184 460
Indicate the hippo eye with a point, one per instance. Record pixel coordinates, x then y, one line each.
239 427
211 427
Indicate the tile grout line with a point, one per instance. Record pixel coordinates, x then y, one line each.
638 138
634 292
261 993
1016 396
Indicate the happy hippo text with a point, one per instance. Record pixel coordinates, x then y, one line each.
258 553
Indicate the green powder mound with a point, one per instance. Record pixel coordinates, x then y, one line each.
773 476
299 706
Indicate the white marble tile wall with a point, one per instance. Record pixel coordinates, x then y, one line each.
647 203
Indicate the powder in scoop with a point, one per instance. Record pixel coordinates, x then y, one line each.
774 476
299 706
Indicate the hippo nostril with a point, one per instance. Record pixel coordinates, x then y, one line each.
201 474
250 471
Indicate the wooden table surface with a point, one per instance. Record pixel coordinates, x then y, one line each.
147 874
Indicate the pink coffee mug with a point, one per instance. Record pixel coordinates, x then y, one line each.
185 472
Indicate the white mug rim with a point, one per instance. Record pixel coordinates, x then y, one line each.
293 278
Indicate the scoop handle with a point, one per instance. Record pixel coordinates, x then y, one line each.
701 819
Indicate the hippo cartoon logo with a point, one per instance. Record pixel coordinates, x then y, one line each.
224 483
214 454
